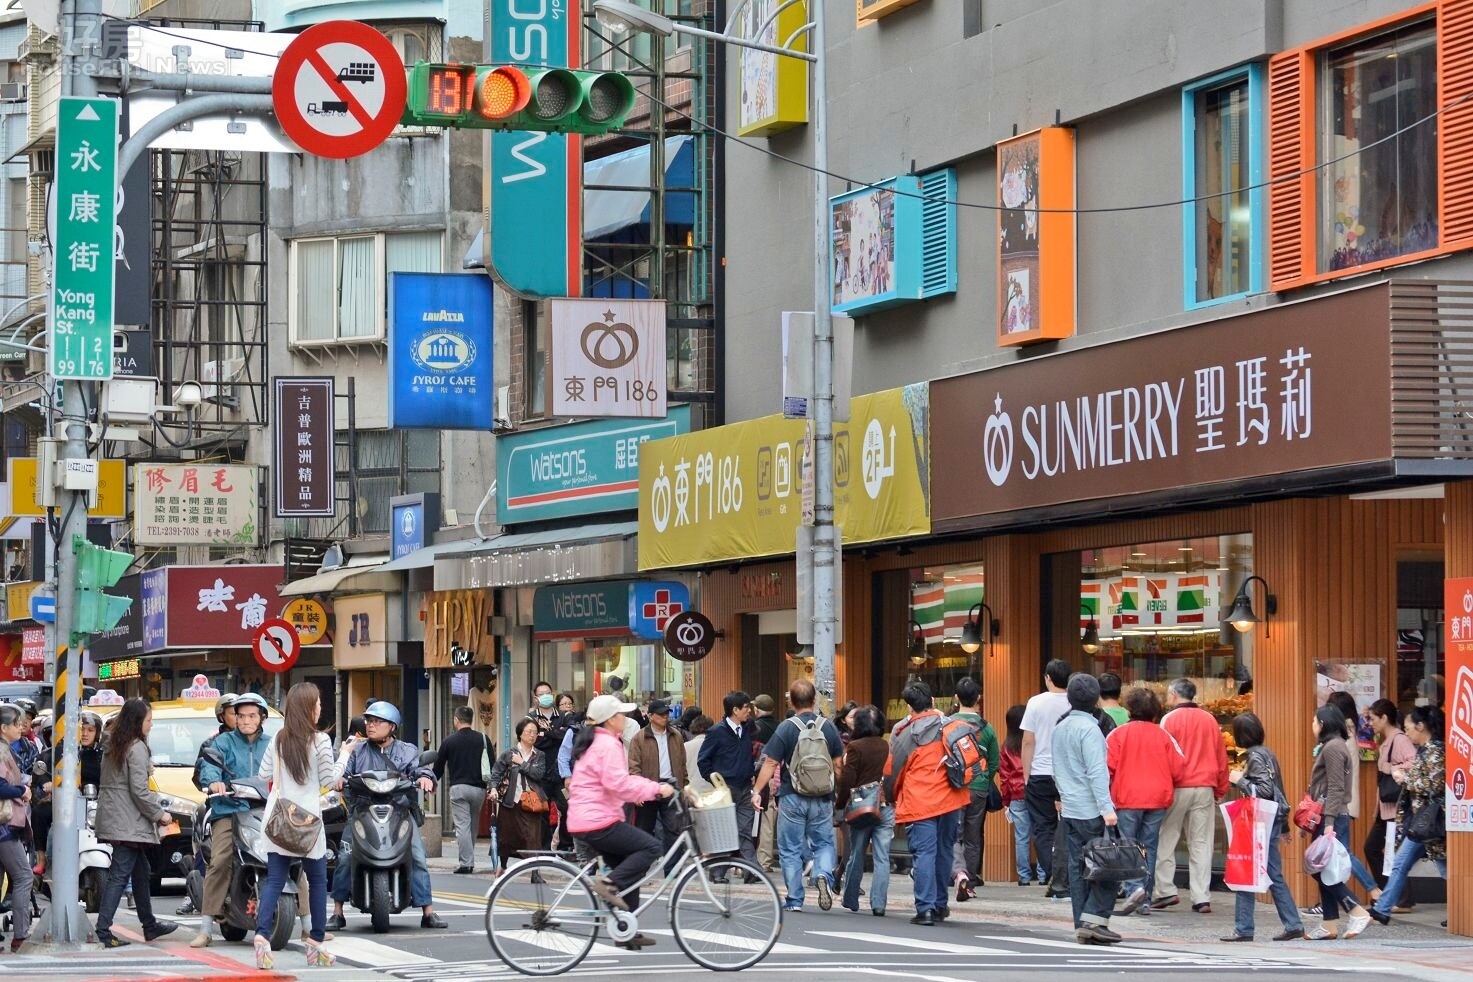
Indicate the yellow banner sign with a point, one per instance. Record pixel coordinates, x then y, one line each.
736 492
112 489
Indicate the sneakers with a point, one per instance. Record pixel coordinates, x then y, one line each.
186 908
112 941
1134 900
1161 903
825 898
635 943
604 887
432 921
1319 934
1315 911
1355 925
337 922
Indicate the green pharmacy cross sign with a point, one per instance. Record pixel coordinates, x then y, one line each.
80 345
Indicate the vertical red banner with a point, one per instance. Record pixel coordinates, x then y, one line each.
1458 628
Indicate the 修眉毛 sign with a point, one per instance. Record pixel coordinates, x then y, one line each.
440 363
80 344
578 469
204 504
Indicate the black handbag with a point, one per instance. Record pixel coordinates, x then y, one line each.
994 797
863 808
1112 858
1387 789
1427 824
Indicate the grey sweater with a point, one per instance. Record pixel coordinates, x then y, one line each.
1330 779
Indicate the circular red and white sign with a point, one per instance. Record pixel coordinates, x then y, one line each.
339 89
276 645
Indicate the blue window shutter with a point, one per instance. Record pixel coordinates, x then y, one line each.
938 233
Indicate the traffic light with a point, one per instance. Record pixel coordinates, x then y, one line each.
510 97
97 569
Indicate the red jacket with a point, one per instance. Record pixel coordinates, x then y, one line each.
1010 772
1200 738
1146 766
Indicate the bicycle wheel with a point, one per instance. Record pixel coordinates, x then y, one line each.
541 917
725 926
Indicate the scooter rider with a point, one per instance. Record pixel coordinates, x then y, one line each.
225 715
381 751
241 752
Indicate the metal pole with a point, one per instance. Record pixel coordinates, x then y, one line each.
825 556
68 926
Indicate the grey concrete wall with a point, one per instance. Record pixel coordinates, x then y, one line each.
912 88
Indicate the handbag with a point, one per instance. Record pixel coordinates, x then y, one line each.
530 799
863 809
1387 790
292 828
1427 824
1309 813
485 760
1112 858
994 797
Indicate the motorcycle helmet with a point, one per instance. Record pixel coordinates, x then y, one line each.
384 711
91 719
223 703
27 706
252 699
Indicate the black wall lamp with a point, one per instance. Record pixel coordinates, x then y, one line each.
916 648
1090 640
1242 616
972 631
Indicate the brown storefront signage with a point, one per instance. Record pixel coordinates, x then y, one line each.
460 619
1298 387
303 464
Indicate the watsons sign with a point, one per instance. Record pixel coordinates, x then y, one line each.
1194 412
441 374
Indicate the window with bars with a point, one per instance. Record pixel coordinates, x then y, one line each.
392 462
339 285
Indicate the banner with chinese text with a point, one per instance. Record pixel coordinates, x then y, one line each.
304 448
1458 611
217 606
195 504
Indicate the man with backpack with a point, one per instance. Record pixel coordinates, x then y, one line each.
808 749
966 862
932 761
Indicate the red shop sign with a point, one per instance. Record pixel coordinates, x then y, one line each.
33 646
220 606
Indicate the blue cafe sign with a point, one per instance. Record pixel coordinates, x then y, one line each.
579 469
440 363
414 518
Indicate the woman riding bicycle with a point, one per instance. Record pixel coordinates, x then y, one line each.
600 788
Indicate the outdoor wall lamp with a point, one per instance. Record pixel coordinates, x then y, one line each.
1242 616
972 631
917 646
1090 641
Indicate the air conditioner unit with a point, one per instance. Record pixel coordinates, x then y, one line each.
214 379
13 91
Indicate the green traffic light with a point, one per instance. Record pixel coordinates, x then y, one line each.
97 569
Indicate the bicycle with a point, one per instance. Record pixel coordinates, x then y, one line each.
543 917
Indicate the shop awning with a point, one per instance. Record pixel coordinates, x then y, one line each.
425 558
598 551
360 573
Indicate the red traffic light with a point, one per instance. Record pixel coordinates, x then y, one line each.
502 92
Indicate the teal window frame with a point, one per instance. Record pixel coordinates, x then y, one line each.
1255 75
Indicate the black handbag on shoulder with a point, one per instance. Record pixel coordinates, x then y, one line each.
1427 824
1112 858
1387 789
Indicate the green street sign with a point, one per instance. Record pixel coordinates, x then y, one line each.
80 345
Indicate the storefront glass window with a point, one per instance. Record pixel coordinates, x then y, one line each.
589 667
1221 148
1420 658
941 600
1378 179
1156 608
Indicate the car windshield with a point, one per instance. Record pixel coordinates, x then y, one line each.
176 742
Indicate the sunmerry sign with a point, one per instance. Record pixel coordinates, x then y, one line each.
735 492
440 351
579 469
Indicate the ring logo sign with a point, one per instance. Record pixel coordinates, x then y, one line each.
997 445
608 344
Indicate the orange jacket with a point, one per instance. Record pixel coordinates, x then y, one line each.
916 777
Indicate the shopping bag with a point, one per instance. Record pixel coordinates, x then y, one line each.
1388 865
1337 870
1250 830
1317 856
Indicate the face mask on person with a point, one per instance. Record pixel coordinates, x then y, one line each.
545 700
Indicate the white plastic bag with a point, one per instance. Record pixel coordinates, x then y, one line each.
1388 865
1337 870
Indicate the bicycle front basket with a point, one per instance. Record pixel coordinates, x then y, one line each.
716 829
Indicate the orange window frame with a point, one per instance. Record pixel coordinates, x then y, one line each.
1294 206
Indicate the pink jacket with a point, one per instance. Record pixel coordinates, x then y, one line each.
602 785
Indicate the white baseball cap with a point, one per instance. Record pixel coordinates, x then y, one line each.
603 708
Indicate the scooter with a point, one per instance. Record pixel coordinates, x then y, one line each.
382 808
94 857
248 875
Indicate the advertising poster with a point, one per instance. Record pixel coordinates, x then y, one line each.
1458 607
440 351
196 504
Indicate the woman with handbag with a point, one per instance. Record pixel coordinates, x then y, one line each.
1421 828
517 779
1396 751
298 765
1261 777
1329 783
15 799
868 816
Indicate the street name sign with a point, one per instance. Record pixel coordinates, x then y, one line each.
80 345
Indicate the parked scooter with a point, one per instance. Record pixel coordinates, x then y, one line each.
94 857
381 810
249 873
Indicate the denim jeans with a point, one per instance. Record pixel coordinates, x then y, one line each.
931 843
1357 868
130 865
277 869
1407 855
803 821
421 892
1094 901
1022 838
1332 895
1277 888
1143 825
878 837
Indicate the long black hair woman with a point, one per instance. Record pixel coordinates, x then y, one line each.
1329 782
15 789
129 816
